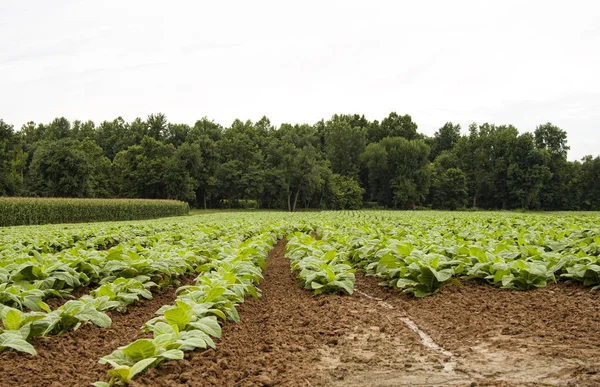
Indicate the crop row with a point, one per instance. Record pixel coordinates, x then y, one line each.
195 317
420 256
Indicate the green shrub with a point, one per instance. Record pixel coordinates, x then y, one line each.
27 211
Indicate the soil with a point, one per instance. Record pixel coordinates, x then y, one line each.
468 335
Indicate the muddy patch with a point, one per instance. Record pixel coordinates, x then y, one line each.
549 336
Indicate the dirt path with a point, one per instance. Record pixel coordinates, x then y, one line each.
72 359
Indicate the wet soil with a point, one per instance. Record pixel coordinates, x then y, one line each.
468 335
500 337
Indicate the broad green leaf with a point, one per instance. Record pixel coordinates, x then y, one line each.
12 320
177 316
208 325
172 354
140 349
14 341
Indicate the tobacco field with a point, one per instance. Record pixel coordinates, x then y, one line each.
350 298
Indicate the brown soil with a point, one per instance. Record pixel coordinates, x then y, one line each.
464 335
71 359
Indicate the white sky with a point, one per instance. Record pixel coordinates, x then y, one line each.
505 62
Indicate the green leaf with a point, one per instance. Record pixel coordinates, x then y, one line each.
405 249
161 328
172 354
12 320
443 275
140 349
177 316
215 293
140 366
43 306
208 325
421 294
218 313
105 290
329 256
122 373
8 340
100 319
347 285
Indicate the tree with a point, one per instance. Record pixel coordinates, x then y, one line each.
58 129
114 136
11 161
183 172
397 126
398 171
590 189
68 168
528 172
556 192
375 159
206 134
176 134
297 163
344 144
553 139
448 182
240 150
343 193
445 139
229 180
83 130
157 126
325 165
141 170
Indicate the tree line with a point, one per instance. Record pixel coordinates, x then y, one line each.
346 162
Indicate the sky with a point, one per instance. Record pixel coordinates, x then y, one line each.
523 63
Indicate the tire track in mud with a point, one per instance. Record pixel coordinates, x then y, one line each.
426 340
71 359
500 337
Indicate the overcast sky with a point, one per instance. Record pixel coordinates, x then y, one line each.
504 62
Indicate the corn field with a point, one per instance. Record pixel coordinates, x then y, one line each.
16 211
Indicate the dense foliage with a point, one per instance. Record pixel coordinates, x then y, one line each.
340 163
419 253
23 211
